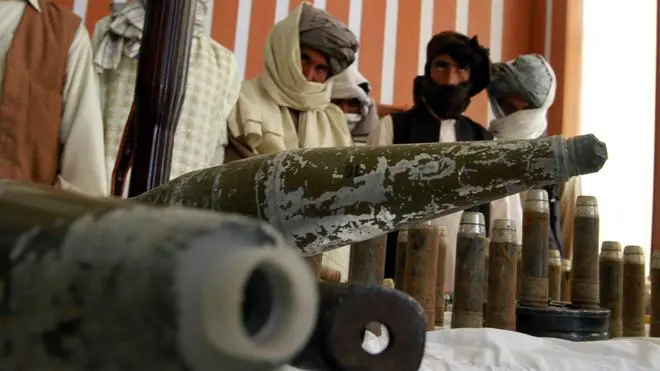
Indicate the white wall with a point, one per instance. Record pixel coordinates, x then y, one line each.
618 106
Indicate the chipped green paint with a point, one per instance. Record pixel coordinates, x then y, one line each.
106 284
330 197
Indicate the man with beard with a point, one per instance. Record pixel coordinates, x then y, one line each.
350 92
457 68
51 129
289 105
520 93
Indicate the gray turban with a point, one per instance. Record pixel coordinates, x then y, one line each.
321 31
529 76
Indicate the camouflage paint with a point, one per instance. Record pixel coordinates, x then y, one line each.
104 284
326 198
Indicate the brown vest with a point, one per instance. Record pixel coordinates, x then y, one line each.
31 102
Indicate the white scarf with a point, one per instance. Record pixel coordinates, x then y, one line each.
124 34
524 124
262 115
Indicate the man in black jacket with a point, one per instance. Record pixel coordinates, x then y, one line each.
457 68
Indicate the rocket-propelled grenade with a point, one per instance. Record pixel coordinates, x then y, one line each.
104 283
326 198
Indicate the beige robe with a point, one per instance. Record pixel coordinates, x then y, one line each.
263 119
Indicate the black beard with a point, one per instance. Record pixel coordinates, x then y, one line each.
446 101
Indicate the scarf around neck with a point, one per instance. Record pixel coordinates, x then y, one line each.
124 34
262 114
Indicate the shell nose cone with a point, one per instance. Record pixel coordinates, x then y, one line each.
587 154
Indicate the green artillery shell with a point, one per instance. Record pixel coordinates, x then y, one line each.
421 267
566 278
326 198
400 268
655 294
634 291
536 228
585 291
554 274
611 284
367 264
470 275
440 276
113 285
502 276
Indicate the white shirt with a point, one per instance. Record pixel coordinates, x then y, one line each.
81 164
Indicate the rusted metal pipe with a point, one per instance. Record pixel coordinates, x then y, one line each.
345 311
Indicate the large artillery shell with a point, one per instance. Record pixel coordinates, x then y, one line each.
401 251
585 291
421 267
470 275
101 284
554 274
655 294
326 198
536 229
634 291
367 264
566 275
440 279
345 311
502 276
611 285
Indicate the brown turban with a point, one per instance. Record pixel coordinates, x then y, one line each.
321 31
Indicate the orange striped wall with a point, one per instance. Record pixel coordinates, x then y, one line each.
392 34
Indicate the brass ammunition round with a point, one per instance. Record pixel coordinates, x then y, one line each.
502 276
634 291
611 284
536 229
518 271
440 277
389 283
584 291
469 273
400 267
554 274
367 264
566 275
655 294
421 267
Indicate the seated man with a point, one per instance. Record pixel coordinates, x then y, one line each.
520 94
288 106
51 129
212 87
350 92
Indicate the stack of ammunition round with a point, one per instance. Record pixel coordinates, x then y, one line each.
566 272
367 264
554 274
470 275
421 267
585 291
634 291
611 284
502 276
400 267
440 281
534 290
